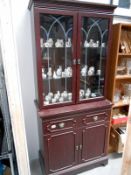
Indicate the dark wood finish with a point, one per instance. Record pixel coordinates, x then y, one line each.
74 136
62 152
94 142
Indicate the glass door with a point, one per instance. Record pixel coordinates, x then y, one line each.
93 40
57 57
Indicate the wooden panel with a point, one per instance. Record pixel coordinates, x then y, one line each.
94 142
61 151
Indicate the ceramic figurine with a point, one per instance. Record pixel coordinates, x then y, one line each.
68 43
50 42
59 43
86 44
98 72
88 92
53 100
93 95
54 75
58 93
61 99
49 73
97 43
47 98
41 43
84 70
43 74
91 43
103 45
81 93
63 74
68 72
56 96
69 96
59 71
65 94
50 94
91 71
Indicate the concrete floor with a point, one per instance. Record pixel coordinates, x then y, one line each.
112 168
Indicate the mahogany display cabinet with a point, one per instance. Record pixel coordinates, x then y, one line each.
72 46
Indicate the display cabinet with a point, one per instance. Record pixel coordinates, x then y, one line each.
120 76
72 50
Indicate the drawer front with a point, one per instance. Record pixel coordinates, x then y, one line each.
96 117
58 125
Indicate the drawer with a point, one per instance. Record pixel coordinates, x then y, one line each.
116 140
96 117
58 125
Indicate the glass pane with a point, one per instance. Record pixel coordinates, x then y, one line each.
94 37
56 52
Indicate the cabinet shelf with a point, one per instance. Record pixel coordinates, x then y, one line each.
124 54
56 78
120 104
122 77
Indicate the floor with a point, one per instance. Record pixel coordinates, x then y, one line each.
112 168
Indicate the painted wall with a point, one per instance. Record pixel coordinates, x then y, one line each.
23 34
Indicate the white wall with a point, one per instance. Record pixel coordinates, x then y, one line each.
22 34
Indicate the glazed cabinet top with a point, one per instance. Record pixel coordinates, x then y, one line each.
72 45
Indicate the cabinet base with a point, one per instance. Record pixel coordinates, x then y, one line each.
75 169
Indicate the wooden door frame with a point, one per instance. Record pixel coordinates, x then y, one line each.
12 78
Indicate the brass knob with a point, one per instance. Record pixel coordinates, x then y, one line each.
95 118
61 125
53 126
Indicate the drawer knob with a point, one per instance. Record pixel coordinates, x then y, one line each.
95 118
61 125
53 126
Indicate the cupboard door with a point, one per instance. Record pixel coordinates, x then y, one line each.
61 151
94 142
92 53
56 56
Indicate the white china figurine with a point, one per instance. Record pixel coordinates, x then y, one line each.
49 73
43 73
47 98
91 71
53 100
54 75
81 93
59 43
61 99
88 92
91 43
59 72
68 43
50 42
65 94
97 43
86 44
93 95
103 44
41 43
50 94
58 93
69 96
84 70
98 72
68 72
